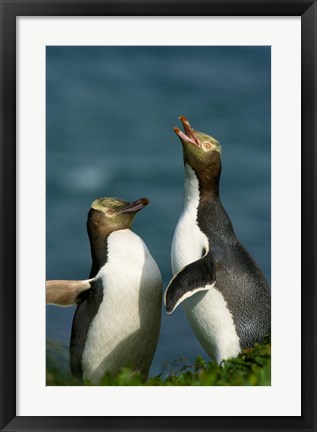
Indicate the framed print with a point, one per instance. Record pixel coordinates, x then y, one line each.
151 79
77 76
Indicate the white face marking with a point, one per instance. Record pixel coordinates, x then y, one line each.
212 322
188 241
126 327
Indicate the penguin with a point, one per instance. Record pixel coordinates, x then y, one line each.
118 316
223 292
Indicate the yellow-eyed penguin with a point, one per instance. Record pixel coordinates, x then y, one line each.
222 290
117 320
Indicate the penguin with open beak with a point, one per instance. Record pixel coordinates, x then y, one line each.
117 320
222 290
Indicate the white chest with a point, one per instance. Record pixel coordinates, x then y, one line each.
131 307
189 242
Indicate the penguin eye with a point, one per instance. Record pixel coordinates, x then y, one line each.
207 145
109 212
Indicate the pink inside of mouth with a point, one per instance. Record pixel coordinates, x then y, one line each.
185 137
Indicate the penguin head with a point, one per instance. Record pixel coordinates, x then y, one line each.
201 151
112 214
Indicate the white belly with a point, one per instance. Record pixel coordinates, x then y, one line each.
126 328
212 322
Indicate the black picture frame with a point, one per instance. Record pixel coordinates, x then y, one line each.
10 9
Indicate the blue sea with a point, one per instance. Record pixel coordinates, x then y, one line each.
110 114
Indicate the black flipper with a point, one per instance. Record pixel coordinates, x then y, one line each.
197 276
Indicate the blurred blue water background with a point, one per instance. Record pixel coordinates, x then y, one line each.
110 113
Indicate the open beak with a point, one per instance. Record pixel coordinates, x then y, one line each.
189 135
135 206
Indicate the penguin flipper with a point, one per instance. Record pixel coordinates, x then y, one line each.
66 292
197 276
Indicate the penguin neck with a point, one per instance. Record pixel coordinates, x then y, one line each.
99 251
199 189
202 202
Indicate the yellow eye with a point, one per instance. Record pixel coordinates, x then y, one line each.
207 145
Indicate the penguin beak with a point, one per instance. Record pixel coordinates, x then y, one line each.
189 135
135 206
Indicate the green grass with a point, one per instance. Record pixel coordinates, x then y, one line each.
251 368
